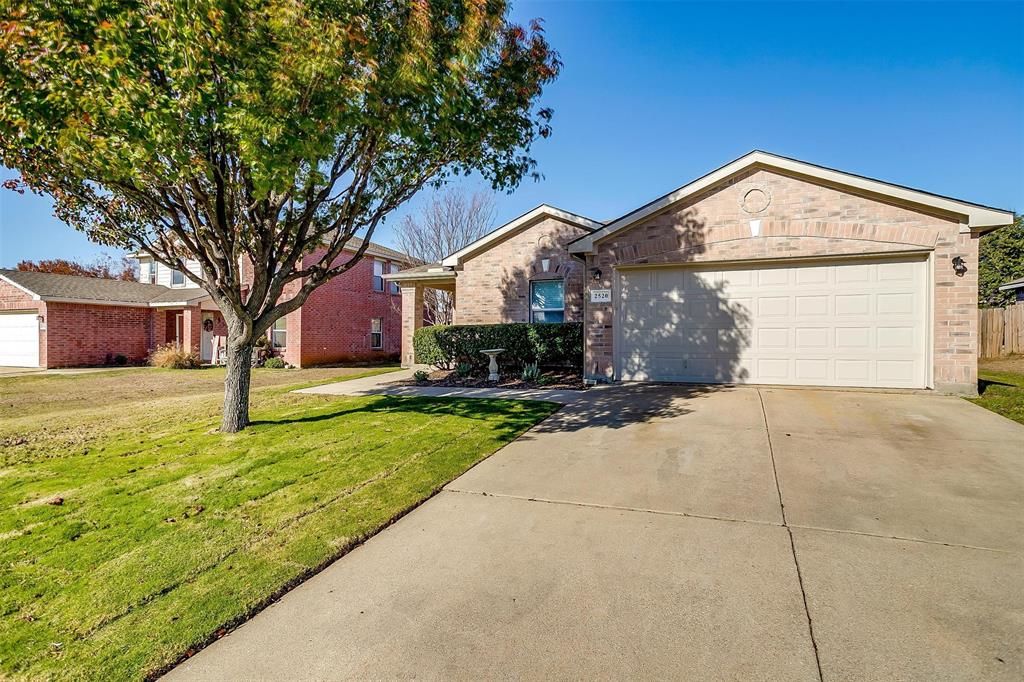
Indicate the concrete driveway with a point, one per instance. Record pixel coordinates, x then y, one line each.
688 533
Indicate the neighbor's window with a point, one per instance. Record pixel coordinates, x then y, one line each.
547 301
177 277
279 333
394 285
378 275
376 332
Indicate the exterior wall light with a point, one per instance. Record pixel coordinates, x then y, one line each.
959 266
595 274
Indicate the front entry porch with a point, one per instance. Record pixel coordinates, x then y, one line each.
417 286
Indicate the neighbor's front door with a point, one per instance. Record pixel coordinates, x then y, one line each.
206 347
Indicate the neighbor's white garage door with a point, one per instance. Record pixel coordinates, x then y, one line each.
854 323
19 340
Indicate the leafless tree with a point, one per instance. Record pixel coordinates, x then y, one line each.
450 220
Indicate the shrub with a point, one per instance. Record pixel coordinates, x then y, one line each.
173 356
464 369
275 363
420 375
531 372
546 344
120 360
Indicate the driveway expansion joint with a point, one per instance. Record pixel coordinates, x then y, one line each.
611 507
792 542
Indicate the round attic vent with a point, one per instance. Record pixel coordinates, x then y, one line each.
756 200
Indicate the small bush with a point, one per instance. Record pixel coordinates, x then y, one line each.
531 372
275 363
547 344
120 360
420 376
464 369
173 356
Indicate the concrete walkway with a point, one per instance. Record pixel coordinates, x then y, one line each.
389 384
685 533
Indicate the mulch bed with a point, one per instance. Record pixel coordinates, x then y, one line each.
560 379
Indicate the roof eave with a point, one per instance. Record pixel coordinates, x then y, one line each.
974 217
496 235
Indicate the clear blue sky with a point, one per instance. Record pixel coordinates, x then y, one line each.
653 95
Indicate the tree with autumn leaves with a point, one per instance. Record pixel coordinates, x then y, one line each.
262 133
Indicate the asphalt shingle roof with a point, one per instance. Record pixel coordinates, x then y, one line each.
50 285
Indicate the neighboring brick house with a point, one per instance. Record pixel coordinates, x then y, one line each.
49 320
766 270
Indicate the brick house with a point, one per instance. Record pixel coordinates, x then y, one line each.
49 320
767 270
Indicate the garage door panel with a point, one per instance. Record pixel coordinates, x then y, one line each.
847 324
19 339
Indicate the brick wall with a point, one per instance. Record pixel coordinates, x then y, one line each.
334 323
94 334
802 219
494 286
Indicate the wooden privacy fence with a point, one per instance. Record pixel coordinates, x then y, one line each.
1001 330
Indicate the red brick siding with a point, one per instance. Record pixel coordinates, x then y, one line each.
94 334
13 298
334 323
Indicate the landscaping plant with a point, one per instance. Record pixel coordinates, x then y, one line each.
259 137
173 356
543 343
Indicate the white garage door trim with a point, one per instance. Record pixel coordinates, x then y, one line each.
826 322
19 338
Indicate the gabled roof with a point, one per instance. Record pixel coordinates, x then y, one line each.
1012 285
47 286
520 223
976 216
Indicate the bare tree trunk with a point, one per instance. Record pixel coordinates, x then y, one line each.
236 388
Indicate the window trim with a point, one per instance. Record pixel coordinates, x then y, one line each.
274 331
378 277
379 334
533 310
175 271
393 286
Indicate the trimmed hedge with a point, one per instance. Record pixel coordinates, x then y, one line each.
547 344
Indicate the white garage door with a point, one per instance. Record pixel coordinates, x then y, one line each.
860 323
19 340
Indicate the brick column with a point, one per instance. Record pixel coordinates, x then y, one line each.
192 328
412 319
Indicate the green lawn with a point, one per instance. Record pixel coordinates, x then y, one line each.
1001 387
170 531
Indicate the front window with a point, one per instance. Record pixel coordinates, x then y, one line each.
378 275
394 285
376 332
279 333
177 277
547 301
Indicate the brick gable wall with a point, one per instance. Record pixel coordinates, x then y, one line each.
494 286
803 219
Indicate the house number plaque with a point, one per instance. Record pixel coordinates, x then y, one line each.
600 295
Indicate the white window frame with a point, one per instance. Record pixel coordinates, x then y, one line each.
392 269
378 275
377 322
546 310
177 272
280 326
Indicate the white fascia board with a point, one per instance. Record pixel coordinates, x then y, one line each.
1012 286
508 228
975 217
34 295
93 301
